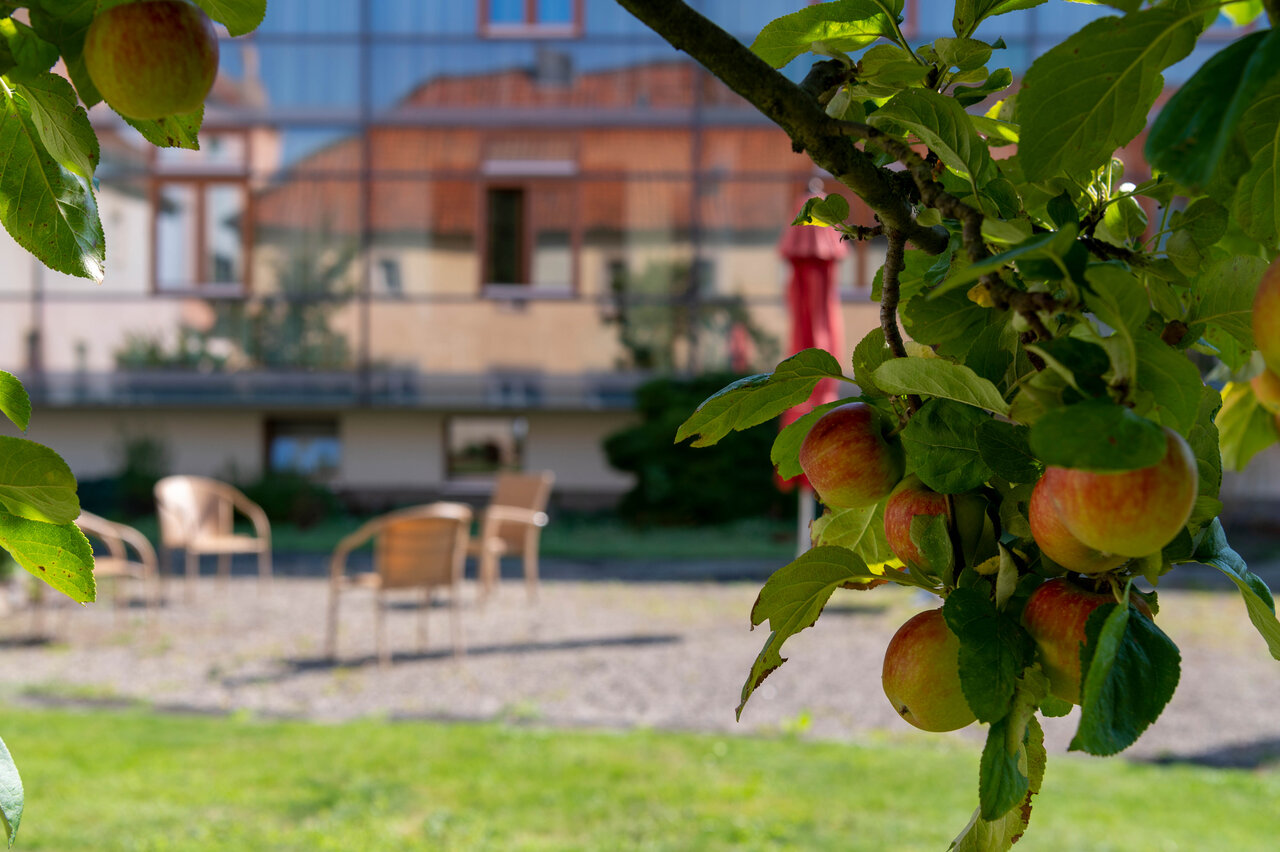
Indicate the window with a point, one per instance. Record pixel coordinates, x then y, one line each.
200 238
482 446
524 18
529 239
309 447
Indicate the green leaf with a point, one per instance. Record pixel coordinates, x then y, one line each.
35 482
963 54
793 597
1118 299
1190 136
950 324
14 402
967 96
755 399
64 23
970 13
1255 199
997 835
48 210
1205 445
785 453
1205 221
239 16
843 25
1079 362
994 649
1006 449
1174 380
941 441
59 554
1243 12
941 124
938 378
870 353
1258 601
172 131
1097 435
10 795
1222 296
1091 94
1245 427
62 123
1132 669
860 530
931 538
1052 246
28 49
992 353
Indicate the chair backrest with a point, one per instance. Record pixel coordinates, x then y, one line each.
104 531
523 491
189 507
422 551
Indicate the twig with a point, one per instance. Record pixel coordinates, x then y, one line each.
894 263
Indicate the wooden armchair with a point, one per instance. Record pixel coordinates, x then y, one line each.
422 547
512 523
197 516
117 565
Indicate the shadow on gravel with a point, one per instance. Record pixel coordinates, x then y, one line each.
1260 754
301 665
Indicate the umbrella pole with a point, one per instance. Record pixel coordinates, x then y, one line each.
805 516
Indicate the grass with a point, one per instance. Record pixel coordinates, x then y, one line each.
578 536
137 781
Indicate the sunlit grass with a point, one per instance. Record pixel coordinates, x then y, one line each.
136 781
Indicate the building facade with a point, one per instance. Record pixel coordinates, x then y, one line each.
423 240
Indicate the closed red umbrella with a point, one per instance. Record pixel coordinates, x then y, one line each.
814 300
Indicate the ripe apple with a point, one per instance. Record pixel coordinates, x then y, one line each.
1132 513
847 459
1266 387
1055 616
911 498
152 58
1266 316
1057 542
921 674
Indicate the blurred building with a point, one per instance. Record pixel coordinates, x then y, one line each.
425 240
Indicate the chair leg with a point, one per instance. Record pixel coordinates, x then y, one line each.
531 567
331 624
379 629
489 569
264 567
224 568
455 622
192 570
422 619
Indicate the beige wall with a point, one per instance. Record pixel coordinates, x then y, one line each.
391 449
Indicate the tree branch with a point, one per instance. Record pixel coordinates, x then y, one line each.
894 263
789 107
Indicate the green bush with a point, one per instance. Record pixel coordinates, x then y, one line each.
291 498
677 484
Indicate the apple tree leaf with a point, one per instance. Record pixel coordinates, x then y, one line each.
868 355
59 554
1006 449
30 52
949 324
62 123
941 123
1172 378
1214 550
36 483
239 16
982 835
785 453
11 795
47 209
843 25
1245 428
1091 93
994 649
938 378
755 399
1222 297
172 131
14 401
1255 202
860 530
64 23
941 441
1131 670
970 13
794 596
1097 435
1205 445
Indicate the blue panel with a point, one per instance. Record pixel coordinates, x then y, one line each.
311 16
420 17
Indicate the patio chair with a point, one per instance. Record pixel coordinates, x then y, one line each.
197 516
421 547
512 523
116 565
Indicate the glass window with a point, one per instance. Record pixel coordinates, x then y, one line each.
415 16
311 447
529 235
200 235
483 446
223 233
310 16
175 236
531 17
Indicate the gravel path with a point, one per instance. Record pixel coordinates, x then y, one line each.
601 654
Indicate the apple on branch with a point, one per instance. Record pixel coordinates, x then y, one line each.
1131 513
1055 616
1265 317
912 498
1057 542
1266 387
152 58
847 458
921 674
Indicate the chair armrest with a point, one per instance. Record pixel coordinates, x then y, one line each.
515 515
141 544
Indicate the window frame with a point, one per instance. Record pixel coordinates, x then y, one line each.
198 284
453 477
531 26
528 289
271 424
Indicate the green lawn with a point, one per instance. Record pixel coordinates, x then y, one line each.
99 780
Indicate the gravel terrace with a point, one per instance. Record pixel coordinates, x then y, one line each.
605 653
